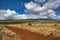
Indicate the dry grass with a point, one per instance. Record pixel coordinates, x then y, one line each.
41 28
6 34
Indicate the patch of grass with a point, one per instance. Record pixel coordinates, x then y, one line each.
45 27
6 34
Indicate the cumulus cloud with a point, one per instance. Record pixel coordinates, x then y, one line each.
11 14
6 14
34 11
46 10
34 7
39 1
48 5
58 17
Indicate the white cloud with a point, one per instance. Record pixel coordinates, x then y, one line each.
51 13
39 1
52 4
48 5
46 10
11 14
34 10
19 16
31 6
57 17
6 14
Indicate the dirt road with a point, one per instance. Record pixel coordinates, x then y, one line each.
27 35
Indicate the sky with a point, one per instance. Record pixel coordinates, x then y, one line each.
29 9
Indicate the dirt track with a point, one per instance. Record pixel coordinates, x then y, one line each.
26 35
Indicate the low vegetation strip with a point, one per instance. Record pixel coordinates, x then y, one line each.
27 21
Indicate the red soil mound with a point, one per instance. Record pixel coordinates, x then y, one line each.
27 35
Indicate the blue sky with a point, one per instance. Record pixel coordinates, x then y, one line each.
24 7
13 5
17 5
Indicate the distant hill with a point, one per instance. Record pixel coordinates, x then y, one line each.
27 21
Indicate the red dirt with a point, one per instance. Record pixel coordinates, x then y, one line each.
27 35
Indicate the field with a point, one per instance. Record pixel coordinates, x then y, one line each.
41 27
6 34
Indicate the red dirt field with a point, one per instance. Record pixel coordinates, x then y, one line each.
27 35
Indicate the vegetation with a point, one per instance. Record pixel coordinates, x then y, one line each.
27 21
44 27
6 34
16 21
